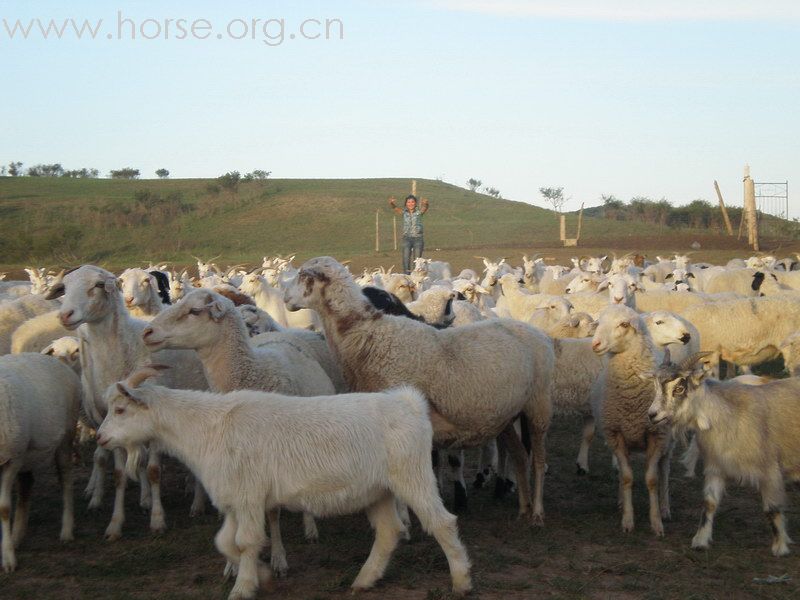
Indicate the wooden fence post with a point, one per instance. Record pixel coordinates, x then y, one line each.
750 209
722 208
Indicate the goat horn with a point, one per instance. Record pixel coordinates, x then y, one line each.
690 362
145 373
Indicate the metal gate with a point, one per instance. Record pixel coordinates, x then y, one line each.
773 199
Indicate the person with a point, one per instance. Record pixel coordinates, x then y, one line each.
413 242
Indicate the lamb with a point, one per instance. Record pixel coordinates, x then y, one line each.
255 450
478 378
39 402
141 293
620 401
36 333
745 432
210 324
111 347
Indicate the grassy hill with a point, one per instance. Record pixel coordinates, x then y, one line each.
123 222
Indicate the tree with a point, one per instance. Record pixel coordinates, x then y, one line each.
54 170
162 173
554 196
493 192
15 169
83 173
126 173
474 184
257 175
230 181
3 170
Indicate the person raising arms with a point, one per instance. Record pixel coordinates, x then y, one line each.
413 242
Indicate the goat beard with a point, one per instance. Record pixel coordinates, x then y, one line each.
133 461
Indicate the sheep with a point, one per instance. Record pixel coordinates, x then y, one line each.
745 432
257 321
67 349
401 286
576 325
270 299
478 378
677 302
255 450
658 272
674 333
739 281
620 400
790 349
140 290
39 402
555 280
178 284
435 306
210 324
435 269
14 313
745 331
493 272
540 310
36 333
614 289
111 347
476 295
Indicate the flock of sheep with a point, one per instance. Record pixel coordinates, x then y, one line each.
313 390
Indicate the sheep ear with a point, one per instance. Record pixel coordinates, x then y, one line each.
49 350
111 284
132 394
690 275
669 276
603 285
216 310
56 291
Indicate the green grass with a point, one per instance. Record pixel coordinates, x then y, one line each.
67 221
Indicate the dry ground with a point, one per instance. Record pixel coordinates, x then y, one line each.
580 553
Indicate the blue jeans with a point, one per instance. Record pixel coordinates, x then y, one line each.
412 248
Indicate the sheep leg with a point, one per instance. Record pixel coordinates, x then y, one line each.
7 478
434 518
387 525
405 518
277 551
625 482
250 539
97 480
519 456
25 483
587 435
225 541
145 493
773 495
199 501
690 458
114 529
500 484
653 458
157 522
456 462
663 482
310 527
714 489
488 454
65 477
539 470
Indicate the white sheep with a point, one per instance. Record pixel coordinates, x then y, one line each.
270 299
620 400
140 292
39 402
14 313
67 349
478 378
111 347
745 433
256 451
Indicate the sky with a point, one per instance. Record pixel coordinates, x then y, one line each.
631 98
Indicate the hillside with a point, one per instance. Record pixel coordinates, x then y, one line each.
122 222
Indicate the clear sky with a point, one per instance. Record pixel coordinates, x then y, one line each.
624 97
